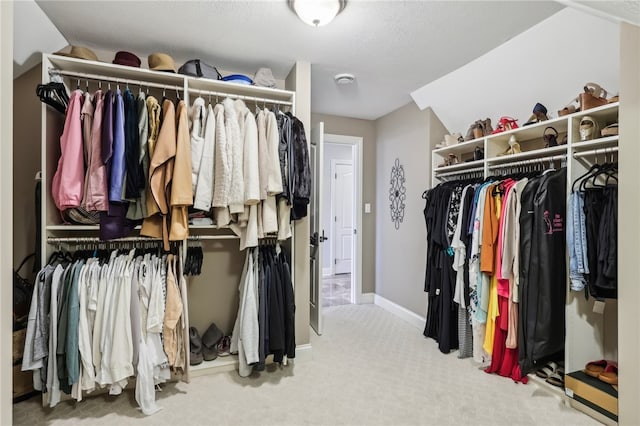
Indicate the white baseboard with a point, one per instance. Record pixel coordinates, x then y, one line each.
366 298
326 272
400 311
303 353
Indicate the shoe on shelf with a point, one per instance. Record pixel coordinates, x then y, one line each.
572 107
610 374
195 347
589 129
594 368
539 114
210 340
610 130
224 347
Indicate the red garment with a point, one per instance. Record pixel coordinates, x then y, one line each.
504 361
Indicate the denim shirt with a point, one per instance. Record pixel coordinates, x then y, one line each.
118 160
577 241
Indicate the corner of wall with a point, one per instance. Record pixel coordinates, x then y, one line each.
299 80
6 215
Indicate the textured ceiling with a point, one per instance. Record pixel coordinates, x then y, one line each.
393 47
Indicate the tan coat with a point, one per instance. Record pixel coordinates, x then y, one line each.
161 174
181 188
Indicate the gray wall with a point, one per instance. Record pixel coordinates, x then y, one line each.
407 134
366 130
26 162
332 151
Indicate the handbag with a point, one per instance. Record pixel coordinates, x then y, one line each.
197 68
550 139
22 291
592 97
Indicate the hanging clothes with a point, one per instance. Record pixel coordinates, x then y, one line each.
106 315
265 324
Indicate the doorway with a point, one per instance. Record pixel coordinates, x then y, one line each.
328 285
338 220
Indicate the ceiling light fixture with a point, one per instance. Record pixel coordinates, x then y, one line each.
317 12
344 78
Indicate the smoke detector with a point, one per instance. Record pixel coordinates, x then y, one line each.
344 78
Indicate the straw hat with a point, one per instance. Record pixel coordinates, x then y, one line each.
80 53
161 62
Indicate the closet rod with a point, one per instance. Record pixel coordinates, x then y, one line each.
96 77
460 172
243 97
530 161
603 151
56 240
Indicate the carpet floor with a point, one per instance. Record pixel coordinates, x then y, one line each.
369 368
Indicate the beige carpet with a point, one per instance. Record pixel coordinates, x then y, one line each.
369 368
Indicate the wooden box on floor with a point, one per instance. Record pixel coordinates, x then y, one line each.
594 393
22 382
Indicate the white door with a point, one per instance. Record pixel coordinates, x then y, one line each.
317 235
343 216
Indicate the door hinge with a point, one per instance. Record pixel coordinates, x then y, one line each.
336 176
335 218
335 261
355 231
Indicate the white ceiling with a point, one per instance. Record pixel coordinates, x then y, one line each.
393 47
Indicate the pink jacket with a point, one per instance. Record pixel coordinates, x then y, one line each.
68 181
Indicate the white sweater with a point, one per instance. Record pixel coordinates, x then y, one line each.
235 143
204 186
250 154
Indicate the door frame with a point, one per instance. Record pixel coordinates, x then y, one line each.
332 207
356 144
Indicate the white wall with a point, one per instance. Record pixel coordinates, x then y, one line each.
401 254
549 63
629 228
331 152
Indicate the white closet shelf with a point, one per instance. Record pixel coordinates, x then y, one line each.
126 74
544 152
121 72
607 111
532 131
218 365
460 166
73 228
605 142
467 146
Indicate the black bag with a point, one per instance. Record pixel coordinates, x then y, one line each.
197 68
22 291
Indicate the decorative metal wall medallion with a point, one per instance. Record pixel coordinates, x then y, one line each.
397 193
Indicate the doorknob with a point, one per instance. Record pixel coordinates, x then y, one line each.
322 237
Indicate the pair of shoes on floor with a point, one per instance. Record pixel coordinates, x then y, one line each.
552 373
204 348
604 370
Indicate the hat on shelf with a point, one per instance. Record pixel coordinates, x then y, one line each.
238 78
161 62
127 58
264 77
79 52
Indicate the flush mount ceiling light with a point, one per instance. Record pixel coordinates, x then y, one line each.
344 78
317 12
